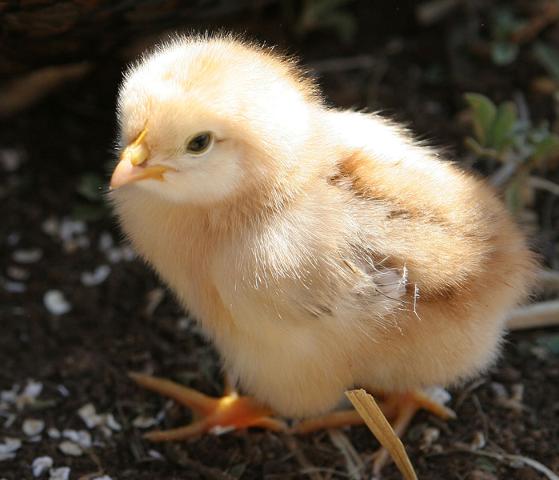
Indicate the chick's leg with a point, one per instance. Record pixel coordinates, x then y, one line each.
213 414
399 409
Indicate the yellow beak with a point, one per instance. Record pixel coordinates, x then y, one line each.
131 166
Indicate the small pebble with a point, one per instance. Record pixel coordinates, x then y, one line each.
14 287
50 226
32 389
478 442
155 454
104 477
96 277
11 159
41 465
81 437
56 303
32 426
17 273
70 448
481 475
88 415
27 256
105 241
9 448
54 433
438 394
184 323
61 473
144 422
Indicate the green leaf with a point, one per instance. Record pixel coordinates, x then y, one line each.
545 147
548 58
484 112
503 52
502 129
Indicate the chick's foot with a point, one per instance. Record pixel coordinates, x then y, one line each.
399 409
230 412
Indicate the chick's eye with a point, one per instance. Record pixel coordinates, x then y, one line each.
199 143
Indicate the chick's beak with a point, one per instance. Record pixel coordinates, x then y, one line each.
132 165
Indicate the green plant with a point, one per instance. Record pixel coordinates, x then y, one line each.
514 143
504 23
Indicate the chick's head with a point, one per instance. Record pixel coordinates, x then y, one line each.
203 119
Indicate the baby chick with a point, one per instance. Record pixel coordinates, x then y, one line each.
319 249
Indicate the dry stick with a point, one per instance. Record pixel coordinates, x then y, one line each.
537 315
510 459
376 421
354 464
308 468
549 279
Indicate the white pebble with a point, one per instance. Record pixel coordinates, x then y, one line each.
50 226
438 394
70 448
17 273
27 256
14 287
9 448
11 159
69 229
105 241
96 277
81 437
62 473
53 433
56 303
89 416
32 389
41 465
144 422
32 426
104 477
111 422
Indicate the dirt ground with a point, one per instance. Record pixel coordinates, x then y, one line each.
55 230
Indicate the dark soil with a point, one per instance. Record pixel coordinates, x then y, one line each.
416 75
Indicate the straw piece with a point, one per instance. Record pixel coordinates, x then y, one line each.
376 421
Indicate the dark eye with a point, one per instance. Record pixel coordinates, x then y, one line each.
199 143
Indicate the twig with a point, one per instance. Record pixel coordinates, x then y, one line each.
537 315
308 468
376 421
543 184
510 459
549 279
548 16
28 89
354 464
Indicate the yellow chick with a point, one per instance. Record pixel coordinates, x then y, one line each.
319 249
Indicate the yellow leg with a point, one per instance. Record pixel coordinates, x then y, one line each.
398 408
228 412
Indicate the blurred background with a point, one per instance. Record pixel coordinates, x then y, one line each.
478 78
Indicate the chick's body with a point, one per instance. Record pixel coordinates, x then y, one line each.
319 249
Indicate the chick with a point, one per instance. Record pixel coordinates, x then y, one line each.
319 249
